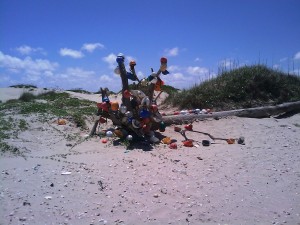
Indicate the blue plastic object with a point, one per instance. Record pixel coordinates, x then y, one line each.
150 78
130 76
165 72
145 114
105 99
120 59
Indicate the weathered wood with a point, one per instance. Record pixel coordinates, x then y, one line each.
125 86
258 112
152 86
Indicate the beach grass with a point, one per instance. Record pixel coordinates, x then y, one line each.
57 104
244 87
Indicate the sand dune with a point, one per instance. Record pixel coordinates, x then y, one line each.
65 178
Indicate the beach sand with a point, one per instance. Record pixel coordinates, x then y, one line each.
63 177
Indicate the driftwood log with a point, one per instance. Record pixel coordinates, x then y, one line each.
258 112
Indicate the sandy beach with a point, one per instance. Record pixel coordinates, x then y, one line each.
63 177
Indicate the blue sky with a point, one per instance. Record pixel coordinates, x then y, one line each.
73 43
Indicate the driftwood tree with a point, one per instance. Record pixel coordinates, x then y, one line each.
259 112
138 113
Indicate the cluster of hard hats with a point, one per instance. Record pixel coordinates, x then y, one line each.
143 117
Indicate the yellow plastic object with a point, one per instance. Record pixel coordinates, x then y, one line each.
166 140
61 122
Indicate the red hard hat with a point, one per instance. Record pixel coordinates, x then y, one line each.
154 108
163 60
126 94
104 106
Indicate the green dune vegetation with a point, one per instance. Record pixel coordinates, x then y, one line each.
244 87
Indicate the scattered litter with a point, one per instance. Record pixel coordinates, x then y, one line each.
101 187
129 137
189 127
177 129
188 143
230 141
166 140
61 122
66 173
37 167
156 195
109 133
206 143
104 141
173 145
26 203
48 197
199 158
241 140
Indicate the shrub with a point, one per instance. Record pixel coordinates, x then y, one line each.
27 97
244 87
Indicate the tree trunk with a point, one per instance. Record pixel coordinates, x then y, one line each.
259 112
125 101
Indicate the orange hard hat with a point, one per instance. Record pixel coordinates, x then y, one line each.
114 106
132 63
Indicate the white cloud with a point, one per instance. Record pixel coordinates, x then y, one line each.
283 59
111 60
178 76
198 59
297 56
173 68
105 78
26 70
196 70
70 52
226 63
90 47
26 65
4 78
129 58
74 77
79 73
27 50
140 74
172 51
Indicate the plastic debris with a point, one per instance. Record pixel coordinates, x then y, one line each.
138 113
173 145
206 143
129 137
109 133
177 129
166 140
230 141
188 127
66 173
102 120
188 143
61 122
241 140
